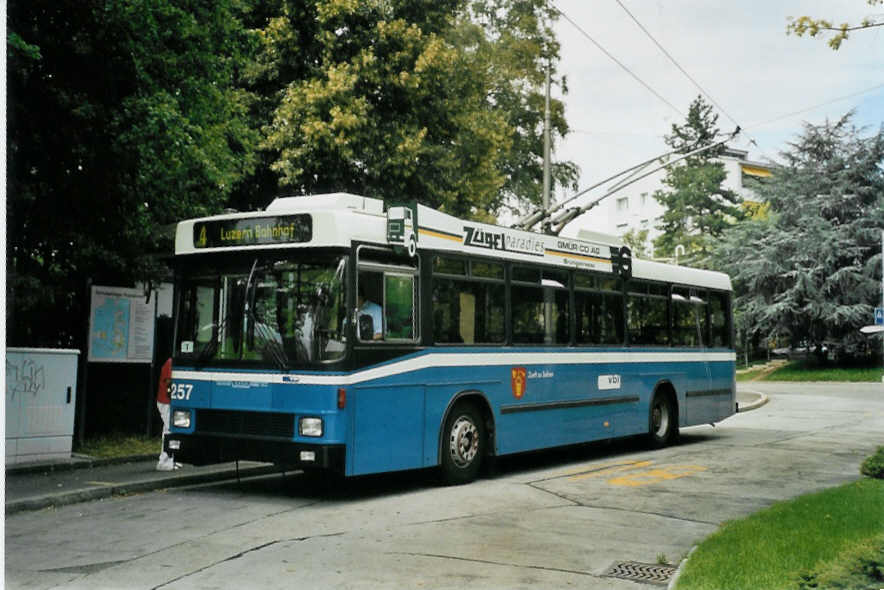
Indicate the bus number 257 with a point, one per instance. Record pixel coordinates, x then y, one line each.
181 391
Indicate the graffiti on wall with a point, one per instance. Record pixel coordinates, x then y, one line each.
23 377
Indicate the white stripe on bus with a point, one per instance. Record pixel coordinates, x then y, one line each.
434 360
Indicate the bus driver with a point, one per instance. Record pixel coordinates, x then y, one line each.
370 311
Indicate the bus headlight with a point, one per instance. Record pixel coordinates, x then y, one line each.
309 426
181 418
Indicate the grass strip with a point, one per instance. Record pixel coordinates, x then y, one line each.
749 375
775 547
798 372
120 445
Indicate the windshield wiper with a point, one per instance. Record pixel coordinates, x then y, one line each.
270 344
212 345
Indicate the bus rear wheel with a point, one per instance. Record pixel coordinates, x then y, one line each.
464 444
662 421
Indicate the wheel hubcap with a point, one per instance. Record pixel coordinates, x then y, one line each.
463 442
660 418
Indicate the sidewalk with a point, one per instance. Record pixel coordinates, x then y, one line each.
38 486
750 400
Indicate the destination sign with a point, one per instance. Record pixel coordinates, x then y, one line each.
254 231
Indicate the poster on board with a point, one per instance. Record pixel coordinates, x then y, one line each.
121 326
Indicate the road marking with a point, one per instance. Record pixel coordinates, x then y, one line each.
102 483
613 469
650 476
594 467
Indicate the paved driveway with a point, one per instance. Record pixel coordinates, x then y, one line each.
548 520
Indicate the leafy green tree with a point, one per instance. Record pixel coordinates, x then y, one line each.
407 99
516 44
124 116
697 208
128 115
637 240
806 25
811 271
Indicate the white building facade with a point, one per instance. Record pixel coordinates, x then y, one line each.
635 209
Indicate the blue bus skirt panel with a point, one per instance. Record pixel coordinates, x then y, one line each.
254 416
395 411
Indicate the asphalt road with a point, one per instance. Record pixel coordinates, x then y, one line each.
547 520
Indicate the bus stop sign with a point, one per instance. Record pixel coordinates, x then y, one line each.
879 316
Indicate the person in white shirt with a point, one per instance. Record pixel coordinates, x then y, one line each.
374 311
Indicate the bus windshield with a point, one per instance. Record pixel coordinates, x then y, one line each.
274 311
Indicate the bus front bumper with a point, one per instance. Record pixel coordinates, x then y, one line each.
205 449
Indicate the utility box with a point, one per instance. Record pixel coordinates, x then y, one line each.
41 395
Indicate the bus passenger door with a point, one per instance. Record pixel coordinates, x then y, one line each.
388 406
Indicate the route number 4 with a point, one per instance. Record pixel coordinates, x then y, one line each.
181 391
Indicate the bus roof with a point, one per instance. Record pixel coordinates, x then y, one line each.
340 219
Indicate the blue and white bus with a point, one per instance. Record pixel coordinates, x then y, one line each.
323 333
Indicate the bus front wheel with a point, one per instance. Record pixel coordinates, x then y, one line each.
463 445
663 421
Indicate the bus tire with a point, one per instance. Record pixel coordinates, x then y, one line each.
464 444
662 421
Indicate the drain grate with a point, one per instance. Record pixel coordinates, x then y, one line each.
649 573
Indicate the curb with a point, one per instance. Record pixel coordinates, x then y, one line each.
173 481
76 462
674 580
762 399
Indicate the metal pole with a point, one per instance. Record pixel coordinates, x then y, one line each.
151 384
546 179
82 383
548 297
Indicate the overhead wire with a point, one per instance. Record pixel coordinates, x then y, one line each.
814 107
676 64
633 75
610 56
703 91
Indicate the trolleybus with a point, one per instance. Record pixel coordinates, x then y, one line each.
330 332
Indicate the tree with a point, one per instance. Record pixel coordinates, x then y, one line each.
516 44
811 271
805 25
124 116
637 240
403 100
697 208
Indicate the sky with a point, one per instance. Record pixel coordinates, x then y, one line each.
737 51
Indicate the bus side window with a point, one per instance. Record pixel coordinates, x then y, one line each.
647 314
386 300
718 320
400 298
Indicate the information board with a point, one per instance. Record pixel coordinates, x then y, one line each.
121 326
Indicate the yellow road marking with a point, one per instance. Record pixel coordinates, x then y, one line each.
595 467
649 476
102 483
613 469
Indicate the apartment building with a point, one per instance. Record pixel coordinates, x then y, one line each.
634 207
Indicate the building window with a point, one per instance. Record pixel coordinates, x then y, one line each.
623 204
